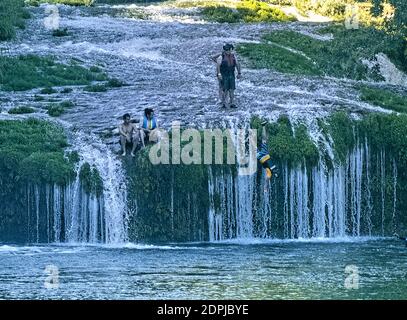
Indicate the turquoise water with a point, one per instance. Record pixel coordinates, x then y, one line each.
230 270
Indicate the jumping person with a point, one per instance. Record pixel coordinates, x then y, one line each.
127 132
226 69
263 154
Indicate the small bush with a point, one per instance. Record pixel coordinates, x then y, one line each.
55 110
96 88
67 104
34 3
38 98
243 11
60 32
331 8
21 110
95 69
48 90
115 83
66 90
66 2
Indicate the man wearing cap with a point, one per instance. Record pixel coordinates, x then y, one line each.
227 65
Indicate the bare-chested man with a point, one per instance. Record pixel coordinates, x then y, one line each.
128 135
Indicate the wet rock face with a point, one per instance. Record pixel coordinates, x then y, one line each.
166 62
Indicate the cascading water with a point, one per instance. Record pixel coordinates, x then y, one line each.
79 216
321 202
107 213
318 201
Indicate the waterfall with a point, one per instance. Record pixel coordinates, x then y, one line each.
355 176
69 213
57 208
320 201
37 212
368 190
383 185
394 193
89 214
285 220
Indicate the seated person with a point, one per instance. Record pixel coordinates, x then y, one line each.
149 127
128 135
263 155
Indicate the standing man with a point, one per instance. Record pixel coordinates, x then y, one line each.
215 59
227 65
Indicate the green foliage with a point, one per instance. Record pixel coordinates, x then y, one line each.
288 144
134 13
281 2
243 11
28 72
21 110
387 131
60 33
258 11
398 24
12 15
55 110
67 2
158 217
96 88
33 151
95 69
48 90
91 181
67 104
340 57
341 129
221 14
276 58
38 98
66 90
384 98
115 83
331 8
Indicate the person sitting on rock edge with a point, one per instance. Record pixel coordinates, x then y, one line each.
149 127
127 132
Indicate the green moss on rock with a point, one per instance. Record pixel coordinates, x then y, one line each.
33 151
90 179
